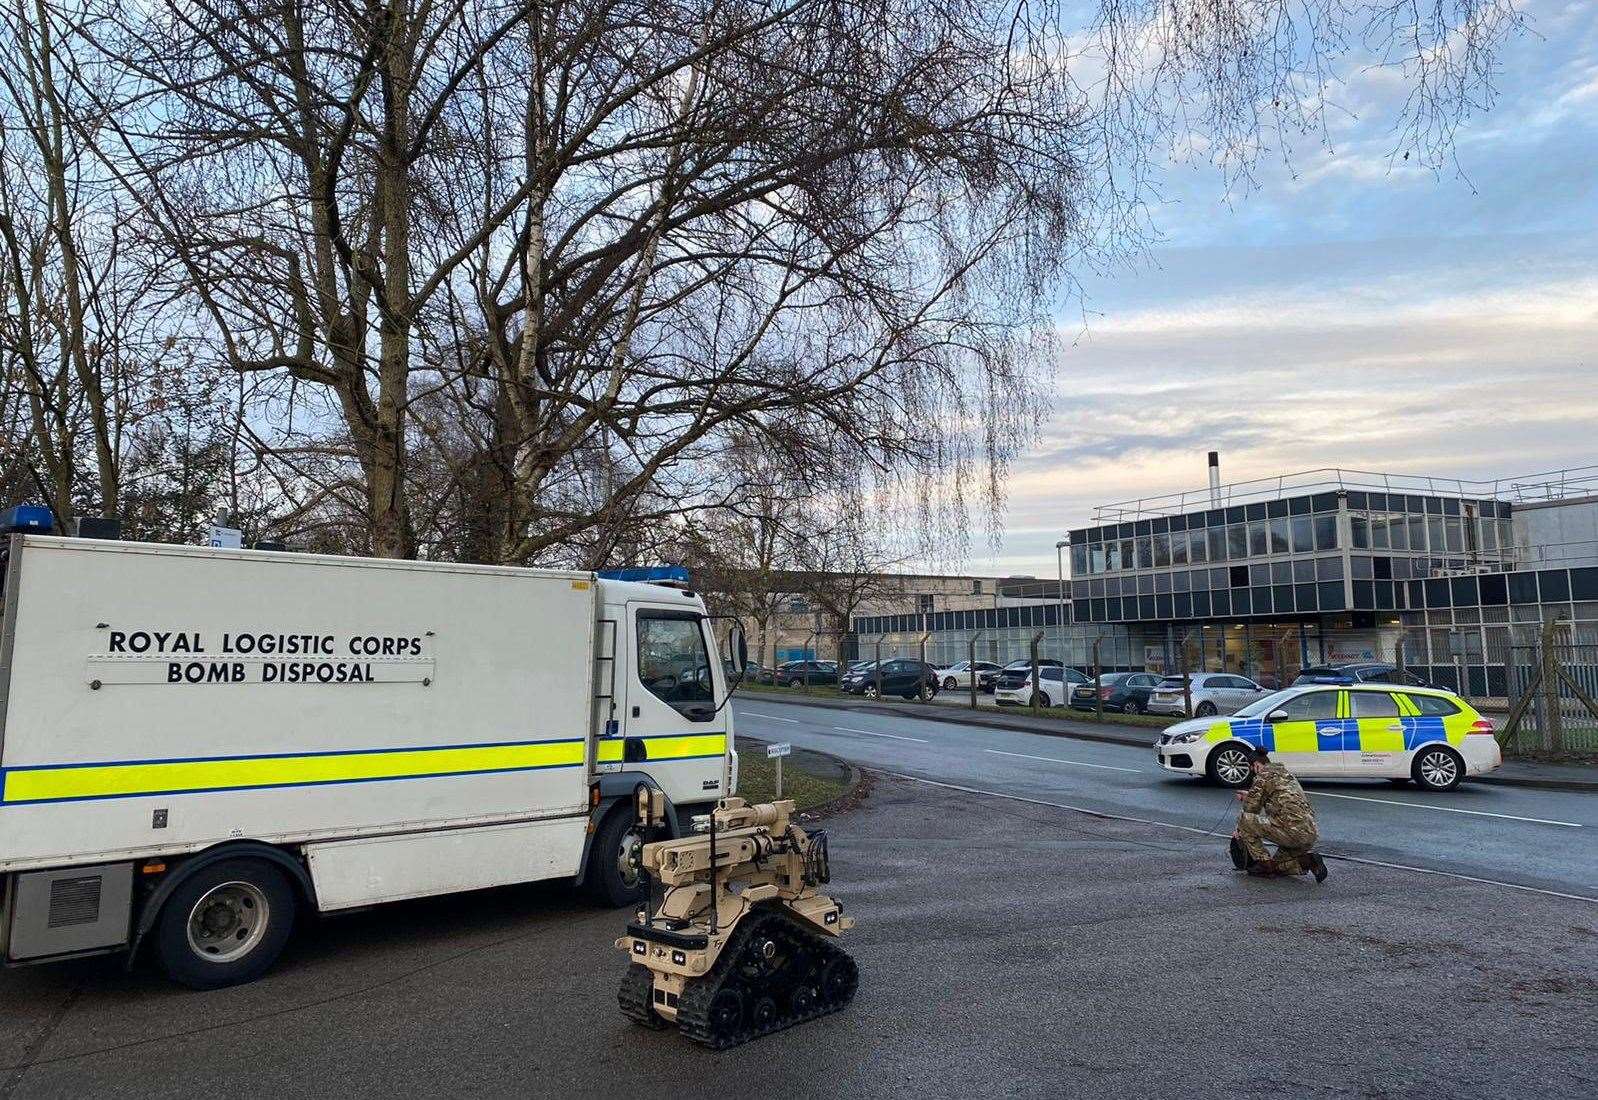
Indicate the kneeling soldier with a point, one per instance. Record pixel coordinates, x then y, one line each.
1275 808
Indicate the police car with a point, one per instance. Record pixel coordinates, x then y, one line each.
1389 731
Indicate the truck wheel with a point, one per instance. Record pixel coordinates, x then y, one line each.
225 924
613 875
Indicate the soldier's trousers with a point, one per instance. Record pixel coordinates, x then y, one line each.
1291 841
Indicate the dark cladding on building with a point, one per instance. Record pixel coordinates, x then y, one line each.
1346 552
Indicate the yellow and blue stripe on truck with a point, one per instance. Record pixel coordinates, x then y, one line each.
1345 733
35 784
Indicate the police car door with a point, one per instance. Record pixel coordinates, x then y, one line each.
1380 748
674 731
1308 739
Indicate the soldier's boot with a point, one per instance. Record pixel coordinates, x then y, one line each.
1314 864
1263 868
1240 857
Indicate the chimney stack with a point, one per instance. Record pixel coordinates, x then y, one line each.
1215 479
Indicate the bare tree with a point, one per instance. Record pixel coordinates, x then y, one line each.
515 280
77 329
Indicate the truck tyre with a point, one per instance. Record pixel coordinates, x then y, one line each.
225 924
612 875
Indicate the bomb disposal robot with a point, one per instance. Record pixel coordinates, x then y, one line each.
740 945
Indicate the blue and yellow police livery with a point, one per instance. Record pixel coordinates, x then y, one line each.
1327 730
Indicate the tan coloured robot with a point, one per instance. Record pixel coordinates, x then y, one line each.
741 948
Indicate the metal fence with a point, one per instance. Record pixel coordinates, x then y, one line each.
1553 695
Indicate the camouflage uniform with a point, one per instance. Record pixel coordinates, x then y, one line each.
1276 809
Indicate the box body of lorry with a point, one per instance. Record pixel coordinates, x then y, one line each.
402 728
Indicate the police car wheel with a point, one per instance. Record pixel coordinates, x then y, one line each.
225 924
1228 766
1438 769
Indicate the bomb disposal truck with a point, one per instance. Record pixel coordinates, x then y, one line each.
199 745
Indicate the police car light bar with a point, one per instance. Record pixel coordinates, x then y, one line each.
647 574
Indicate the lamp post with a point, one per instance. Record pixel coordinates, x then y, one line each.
1059 595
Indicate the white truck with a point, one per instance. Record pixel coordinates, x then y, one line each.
197 744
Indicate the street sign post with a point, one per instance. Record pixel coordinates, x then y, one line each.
776 752
230 538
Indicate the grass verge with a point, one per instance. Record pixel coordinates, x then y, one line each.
810 779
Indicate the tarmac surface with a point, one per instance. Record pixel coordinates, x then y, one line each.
1544 839
1006 949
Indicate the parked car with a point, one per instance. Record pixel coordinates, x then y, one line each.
1358 672
1127 692
958 675
1395 732
1212 693
1055 684
798 673
988 678
756 674
902 676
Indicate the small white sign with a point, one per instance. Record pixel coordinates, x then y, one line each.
229 538
781 748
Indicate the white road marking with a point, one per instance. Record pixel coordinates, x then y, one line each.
771 717
874 733
1211 832
1443 809
1057 760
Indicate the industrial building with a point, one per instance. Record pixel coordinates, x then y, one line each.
1264 577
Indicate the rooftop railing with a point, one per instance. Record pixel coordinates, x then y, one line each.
1551 485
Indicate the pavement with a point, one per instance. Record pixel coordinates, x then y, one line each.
1006 949
1514 772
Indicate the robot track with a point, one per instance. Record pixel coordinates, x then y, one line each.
775 973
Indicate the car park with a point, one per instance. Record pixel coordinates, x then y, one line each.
987 680
799 673
1124 692
958 675
902 676
1211 693
1397 732
1055 683
1366 672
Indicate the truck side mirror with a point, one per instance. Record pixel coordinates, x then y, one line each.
739 647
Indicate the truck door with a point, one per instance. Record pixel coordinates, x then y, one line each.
671 727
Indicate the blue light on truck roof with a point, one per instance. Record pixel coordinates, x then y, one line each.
35 519
649 574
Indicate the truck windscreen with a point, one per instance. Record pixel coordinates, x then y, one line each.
673 662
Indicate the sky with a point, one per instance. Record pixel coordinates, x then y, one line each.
1349 310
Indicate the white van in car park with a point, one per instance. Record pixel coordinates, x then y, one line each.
199 745
1385 731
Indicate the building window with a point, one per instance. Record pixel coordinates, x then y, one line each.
1359 531
1258 540
1279 536
924 604
1162 550
1237 541
1217 539
1326 531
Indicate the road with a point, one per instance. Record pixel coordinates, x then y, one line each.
1526 837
